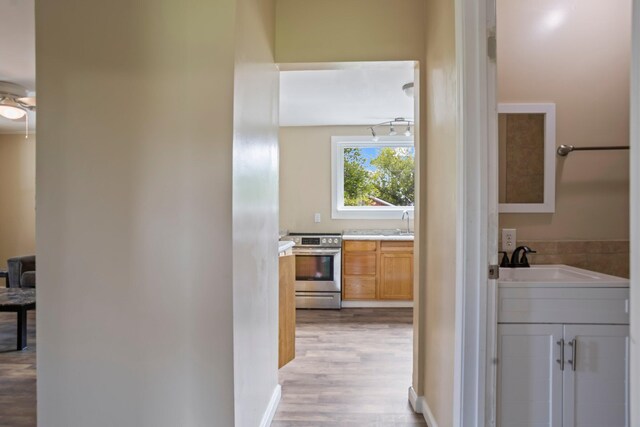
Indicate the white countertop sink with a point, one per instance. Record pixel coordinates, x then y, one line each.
557 275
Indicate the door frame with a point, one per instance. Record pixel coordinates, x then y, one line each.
634 312
478 212
474 377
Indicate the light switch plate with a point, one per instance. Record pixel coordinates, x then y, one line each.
316 217
508 239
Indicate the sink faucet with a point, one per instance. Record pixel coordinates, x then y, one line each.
406 214
517 261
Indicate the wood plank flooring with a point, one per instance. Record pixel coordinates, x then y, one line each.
352 368
17 374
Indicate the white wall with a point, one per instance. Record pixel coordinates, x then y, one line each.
18 189
134 226
255 214
442 208
305 181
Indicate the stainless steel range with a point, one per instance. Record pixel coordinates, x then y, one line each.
318 273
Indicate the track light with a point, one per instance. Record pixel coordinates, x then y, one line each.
392 130
408 131
374 137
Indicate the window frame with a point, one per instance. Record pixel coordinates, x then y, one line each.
338 210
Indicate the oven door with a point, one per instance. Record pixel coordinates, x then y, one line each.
317 270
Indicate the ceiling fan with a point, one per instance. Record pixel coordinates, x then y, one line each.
16 102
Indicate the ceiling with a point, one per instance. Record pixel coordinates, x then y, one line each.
17 52
362 95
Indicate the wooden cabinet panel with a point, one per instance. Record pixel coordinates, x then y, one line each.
396 246
396 276
287 311
359 263
360 287
360 246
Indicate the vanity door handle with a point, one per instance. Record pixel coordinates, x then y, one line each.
561 360
574 353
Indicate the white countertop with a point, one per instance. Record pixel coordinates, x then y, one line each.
376 235
548 276
284 245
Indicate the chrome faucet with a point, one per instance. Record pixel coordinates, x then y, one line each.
406 214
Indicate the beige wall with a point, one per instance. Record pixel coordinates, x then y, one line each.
305 180
134 227
351 30
18 189
583 67
442 206
255 213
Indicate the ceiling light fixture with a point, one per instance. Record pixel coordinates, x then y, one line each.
16 102
374 137
10 109
408 89
392 127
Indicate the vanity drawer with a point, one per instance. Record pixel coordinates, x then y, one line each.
563 305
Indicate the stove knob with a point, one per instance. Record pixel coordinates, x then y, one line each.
324 240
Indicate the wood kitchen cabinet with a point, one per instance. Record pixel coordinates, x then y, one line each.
287 310
377 270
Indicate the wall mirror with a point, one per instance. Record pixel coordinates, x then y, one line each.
527 164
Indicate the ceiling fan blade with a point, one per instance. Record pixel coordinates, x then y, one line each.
28 100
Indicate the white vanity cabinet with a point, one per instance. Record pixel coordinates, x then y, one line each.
562 357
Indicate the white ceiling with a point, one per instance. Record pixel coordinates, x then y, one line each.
17 52
352 96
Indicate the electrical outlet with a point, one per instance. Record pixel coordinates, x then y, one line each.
508 239
316 217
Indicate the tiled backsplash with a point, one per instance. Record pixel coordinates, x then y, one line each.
604 256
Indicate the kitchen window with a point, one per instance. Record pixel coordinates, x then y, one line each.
372 179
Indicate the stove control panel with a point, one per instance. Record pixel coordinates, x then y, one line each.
317 241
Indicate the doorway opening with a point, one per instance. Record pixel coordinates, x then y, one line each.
349 163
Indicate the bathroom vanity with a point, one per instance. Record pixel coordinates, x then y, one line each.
563 348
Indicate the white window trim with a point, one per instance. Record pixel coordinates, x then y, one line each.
338 210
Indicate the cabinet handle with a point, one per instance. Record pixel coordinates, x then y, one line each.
574 353
561 360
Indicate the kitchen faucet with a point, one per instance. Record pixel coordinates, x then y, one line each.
406 214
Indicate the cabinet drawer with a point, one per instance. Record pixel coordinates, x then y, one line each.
396 246
359 287
359 263
360 246
563 305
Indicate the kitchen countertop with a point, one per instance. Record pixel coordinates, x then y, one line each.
284 245
379 234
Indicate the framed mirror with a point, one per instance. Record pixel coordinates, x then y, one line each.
527 164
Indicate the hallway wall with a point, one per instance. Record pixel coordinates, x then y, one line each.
18 189
134 226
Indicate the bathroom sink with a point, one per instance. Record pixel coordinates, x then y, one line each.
557 275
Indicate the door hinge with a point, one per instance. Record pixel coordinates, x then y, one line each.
492 45
494 272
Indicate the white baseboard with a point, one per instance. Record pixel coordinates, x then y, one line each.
271 408
377 304
420 406
415 401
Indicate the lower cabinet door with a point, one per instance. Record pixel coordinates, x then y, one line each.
529 375
595 382
396 276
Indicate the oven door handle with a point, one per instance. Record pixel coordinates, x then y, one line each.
316 251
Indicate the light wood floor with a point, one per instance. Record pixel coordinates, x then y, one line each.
17 374
352 368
